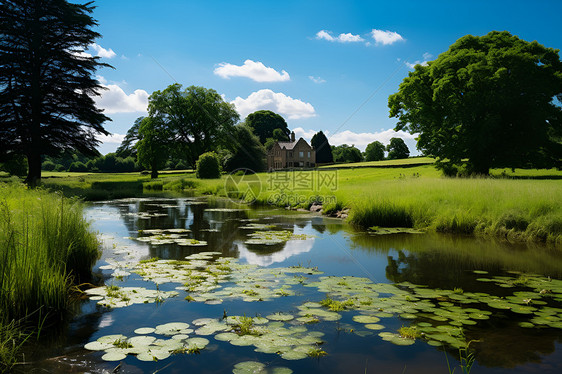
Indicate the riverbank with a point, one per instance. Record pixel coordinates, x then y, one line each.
46 248
520 205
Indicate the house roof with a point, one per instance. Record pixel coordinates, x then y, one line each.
291 145
287 145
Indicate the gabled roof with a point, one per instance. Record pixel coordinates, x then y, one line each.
290 145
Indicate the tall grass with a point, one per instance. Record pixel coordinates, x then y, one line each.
45 247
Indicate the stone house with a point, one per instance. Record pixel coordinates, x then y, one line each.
292 154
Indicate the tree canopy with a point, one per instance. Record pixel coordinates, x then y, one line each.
346 153
46 84
322 147
397 148
264 122
246 152
375 151
152 147
197 118
489 101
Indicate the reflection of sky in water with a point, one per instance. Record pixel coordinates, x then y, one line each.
292 248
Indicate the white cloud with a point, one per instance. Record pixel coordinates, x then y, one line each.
256 71
111 138
275 101
426 57
102 52
385 37
302 133
115 100
342 38
316 79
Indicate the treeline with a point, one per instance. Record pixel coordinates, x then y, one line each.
375 151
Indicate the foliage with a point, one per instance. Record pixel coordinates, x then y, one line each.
196 120
152 147
247 151
346 153
264 123
482 99
208 166
47 86
323 149
16 165
127 146
375 151
397 149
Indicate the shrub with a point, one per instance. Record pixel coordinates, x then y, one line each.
78 167
48 165
208 166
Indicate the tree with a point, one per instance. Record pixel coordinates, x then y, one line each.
323 149
46 84
152 147
346 153
247 151
197 118
127 146
397 149
375 151
490 101
264 122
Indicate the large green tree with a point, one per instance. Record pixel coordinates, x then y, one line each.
322 147
198 119
127 146
375 151
153 144
397 148
264 122
489 101
246 151
46 84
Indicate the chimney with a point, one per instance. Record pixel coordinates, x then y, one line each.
292 136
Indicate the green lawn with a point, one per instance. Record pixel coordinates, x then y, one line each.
518 205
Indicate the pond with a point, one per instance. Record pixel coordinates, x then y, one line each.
204 286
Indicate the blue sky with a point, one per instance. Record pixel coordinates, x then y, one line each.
322 65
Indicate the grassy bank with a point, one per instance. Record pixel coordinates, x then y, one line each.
45 248
517 205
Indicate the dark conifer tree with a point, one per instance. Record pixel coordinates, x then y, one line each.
323 149
46 81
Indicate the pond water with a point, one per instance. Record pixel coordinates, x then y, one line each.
200 285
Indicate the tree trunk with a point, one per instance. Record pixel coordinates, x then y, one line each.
154 172
33 169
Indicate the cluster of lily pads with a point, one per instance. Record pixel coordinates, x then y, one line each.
146 347
118 297
271 237
168 236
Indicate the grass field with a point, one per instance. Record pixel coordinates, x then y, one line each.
45 248
518 205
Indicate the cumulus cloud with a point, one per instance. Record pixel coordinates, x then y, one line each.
302 133
385 37
342 38
102 52
316 79
275 101
256 71
114 100
111 138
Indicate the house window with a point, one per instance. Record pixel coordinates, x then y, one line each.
290 154
301 154
308 154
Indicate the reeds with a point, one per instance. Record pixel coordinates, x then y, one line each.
45 247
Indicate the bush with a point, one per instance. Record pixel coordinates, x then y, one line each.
78 167
208 166
48 166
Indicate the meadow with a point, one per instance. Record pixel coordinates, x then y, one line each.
520 205
46 248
